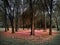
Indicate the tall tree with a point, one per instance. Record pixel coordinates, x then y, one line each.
7 6
16 19
51 6
32 17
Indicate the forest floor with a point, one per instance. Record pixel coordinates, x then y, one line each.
23 37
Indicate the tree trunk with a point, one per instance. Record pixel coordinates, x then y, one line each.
57 24
5 24
32 26
12 22
32 18
44 22
11 18
50 30
5 16
16 28
23 20
12 25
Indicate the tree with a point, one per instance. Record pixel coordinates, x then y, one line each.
7 6
5 16
32 17
50 30
16 19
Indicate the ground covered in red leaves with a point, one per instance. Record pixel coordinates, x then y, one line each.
40 36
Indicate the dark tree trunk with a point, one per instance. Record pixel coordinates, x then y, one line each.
12 26
16 28
5 23
12 23
50 30
57 24
6 5
23 20
57 27
11 18
32 18
7 26
5 17
44 21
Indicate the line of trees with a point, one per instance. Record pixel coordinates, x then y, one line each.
14 7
